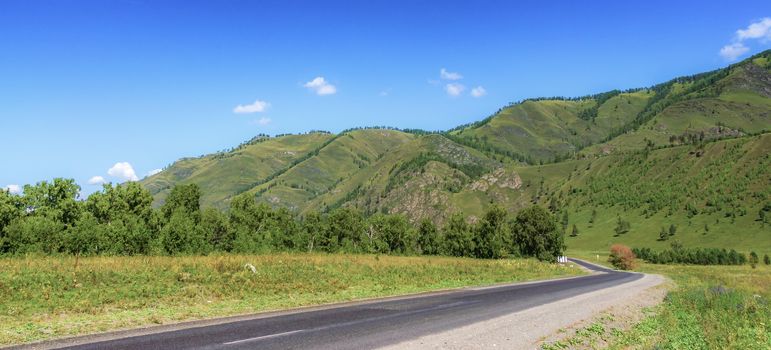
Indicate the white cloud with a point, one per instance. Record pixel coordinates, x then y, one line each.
733 51
256 107
478 91
96 180
15 189
153 172
264 121
454 89
444 74
123 170
321 86
758 30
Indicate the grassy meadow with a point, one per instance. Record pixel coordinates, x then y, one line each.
711 307
48 297
706 307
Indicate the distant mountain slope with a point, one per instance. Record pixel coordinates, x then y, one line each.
713 193
222 175
649 155
540 130
343 158
725 103
413 179
720 103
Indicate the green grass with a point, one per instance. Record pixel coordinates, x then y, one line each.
644 232
707 307
712 307
47 297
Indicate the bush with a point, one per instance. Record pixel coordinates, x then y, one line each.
34 234
622 257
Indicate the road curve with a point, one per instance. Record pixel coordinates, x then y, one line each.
374 324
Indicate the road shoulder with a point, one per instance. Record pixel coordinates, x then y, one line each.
529 328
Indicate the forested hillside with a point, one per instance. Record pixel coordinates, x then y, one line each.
691 152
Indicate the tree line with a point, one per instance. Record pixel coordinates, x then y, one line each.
48 218
692 256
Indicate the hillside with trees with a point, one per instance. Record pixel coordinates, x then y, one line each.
621 166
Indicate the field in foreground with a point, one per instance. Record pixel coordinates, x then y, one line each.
712 307
708 307
48 297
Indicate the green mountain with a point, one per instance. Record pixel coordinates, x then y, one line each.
692 152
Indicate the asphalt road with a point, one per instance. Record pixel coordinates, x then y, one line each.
374 324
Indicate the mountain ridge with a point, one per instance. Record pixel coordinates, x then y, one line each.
430 175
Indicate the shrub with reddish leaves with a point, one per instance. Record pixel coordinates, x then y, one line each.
622 257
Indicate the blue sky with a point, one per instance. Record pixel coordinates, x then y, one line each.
130 86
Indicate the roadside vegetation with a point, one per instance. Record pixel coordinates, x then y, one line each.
711 307
706 307
70 266
52 296
48 219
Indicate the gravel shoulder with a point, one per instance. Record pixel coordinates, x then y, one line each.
528 329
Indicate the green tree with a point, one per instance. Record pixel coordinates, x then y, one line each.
535 233
35 234
429 241
574 232
57 200
458 239
593 218
622 226
753 259
215 227
553 204
180 235
285 229
87 237
763 215
565 221
766 259
183 197
672 229
311 231
115 202
390 234
493 237
11 208
663 234
344 231
252 224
